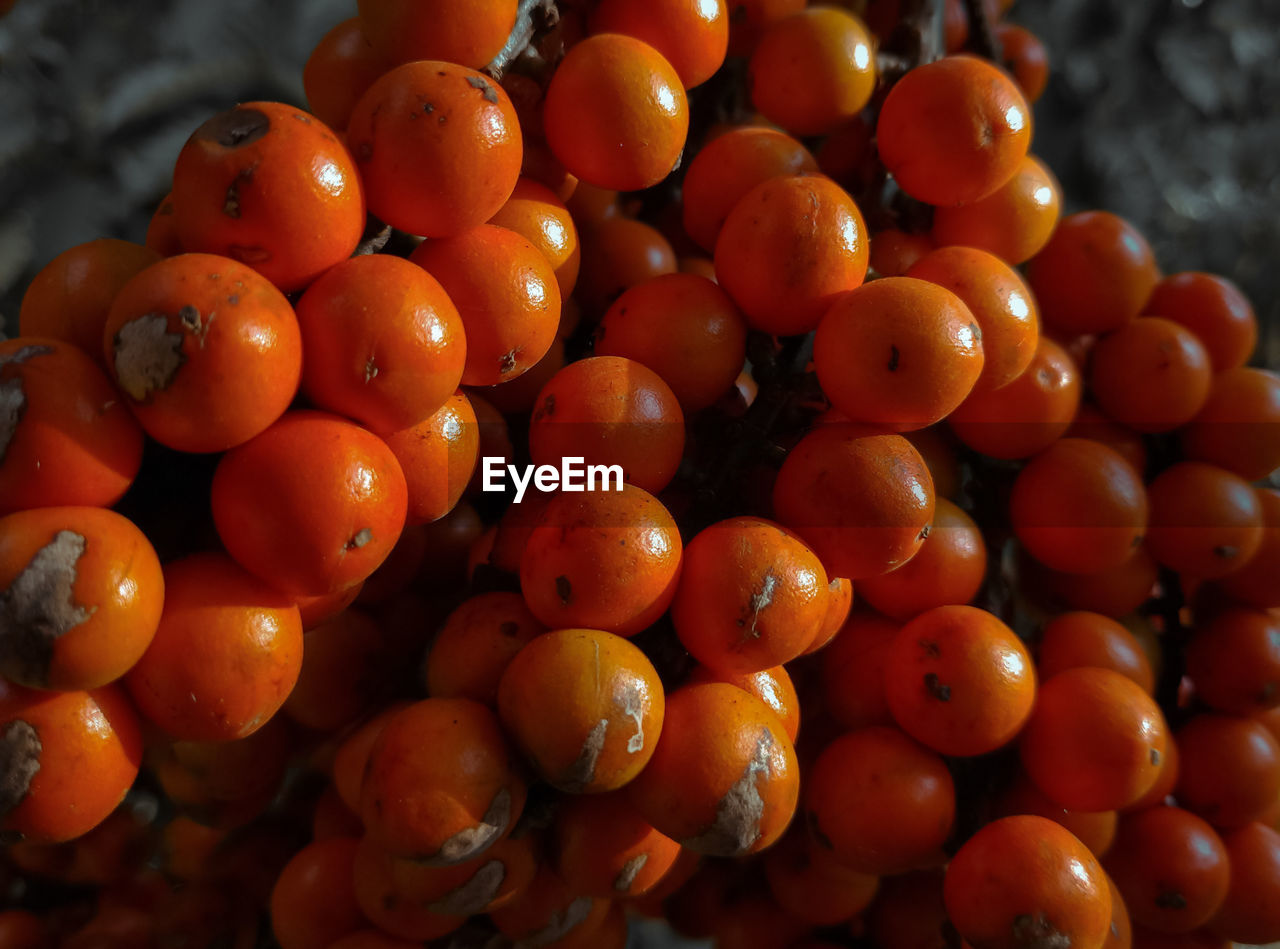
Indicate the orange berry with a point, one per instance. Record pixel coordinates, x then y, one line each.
959 681
384 343
471 33
585 706
692 35
227 652
1095 741
788 249
269 186
1094 275
82 592
506 294
1085 639
66 439
1013 222
205 350
338 71
69 758
314 528
1205 521
813 70
441 784
953 131
601 560
1239 426
437 144
861 499
70 297
723 779
615 113
1214 309
898 352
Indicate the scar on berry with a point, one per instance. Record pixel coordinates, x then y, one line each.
564 590
486 90
146 355
1155 756
39 607
936 688
20 750
1037 932
894 358
507 362
361 537
234 128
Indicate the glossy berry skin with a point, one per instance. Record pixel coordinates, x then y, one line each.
535 213
601 560
947 570
1151 374
788 249
1022 880
1000 302
1026 415
507 297
752 595
859 498
313 902
684 328
267 507
1094 275
1239 426
1079 507
206 351
723 780
773 687
384 343
1253 582
1214 309
1095 829
438 456
471 34
227 652
1013 222
1095 740
81 593
610 410
691 35
270 186
953 131
615 113
441 784
70 441
1171 868
340 68
898 353
1233 660
879 802
444 152
585 706
959 681
727 167
1229 769
1251 912
71 295
1085 639
1025 57
813 71
1205 521
69 759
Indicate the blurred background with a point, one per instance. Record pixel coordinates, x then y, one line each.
1164 111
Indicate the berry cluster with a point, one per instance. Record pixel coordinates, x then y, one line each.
972 490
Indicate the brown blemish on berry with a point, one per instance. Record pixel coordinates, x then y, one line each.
146 356
564 590
895 358
935 687
737 824
471 842
39 607
582 772
195 324
1171 899
20 750
560 925
486 90
474 896
630 870
234 128
507 362
1038 932
13 397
